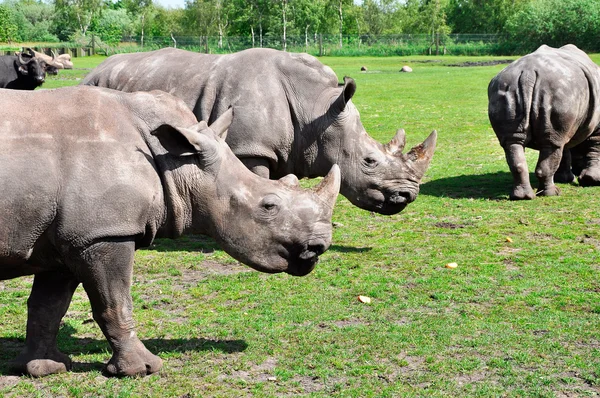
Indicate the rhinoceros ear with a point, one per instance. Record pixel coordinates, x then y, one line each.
348 90
223 122
181 141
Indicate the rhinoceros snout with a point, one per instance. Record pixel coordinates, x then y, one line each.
399 199
314 249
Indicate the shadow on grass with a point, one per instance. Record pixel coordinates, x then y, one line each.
349 249
495 186
11 347
206 244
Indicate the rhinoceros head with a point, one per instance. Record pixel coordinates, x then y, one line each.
270 225
375 177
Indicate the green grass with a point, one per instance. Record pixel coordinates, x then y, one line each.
515 319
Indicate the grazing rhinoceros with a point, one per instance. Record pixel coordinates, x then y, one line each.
548 100
292 116
89 175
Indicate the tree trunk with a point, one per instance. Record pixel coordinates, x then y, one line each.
341 23
142 38
306 37
283 12
252 32
174 41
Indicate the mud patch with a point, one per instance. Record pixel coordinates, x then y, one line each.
482 63
449 225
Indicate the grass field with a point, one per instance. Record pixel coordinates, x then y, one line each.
518 317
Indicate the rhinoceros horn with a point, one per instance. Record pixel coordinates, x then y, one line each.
420 156
329 187
397 143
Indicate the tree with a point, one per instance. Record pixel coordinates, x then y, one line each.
8 27
139 9
555 23
78 13
112 25
481 16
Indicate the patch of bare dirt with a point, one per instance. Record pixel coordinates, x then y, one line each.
590 240
449 225
510 265
483 63
471 378
9 381
256 373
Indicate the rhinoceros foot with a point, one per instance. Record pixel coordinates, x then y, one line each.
133 361
53 362
522 193
590 177
548 191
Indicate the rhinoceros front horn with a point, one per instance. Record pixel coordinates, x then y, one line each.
421 155
329 187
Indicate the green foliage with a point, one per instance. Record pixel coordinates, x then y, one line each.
555 23
8 25
112 25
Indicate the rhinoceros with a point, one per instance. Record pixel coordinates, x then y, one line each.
292 116
548 100
89 175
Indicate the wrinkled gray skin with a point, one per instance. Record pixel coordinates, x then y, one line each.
89 175
548 100
292 116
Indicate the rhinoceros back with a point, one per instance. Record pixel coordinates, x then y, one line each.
72 171
552 89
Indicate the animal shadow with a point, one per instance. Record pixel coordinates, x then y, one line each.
70 345
495 186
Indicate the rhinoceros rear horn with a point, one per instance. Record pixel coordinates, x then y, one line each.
290 180
329 187
396 145
222 123
421 155
348 90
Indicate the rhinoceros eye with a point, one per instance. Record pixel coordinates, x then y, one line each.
270 204
370 162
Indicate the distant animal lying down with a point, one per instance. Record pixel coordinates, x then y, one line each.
61 61
292 117
82 191
548 100
23 71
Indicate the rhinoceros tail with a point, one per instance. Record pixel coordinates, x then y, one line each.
526 86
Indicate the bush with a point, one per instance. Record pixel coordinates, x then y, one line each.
555 23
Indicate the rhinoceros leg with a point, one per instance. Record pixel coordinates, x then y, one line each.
258 166
548 163
590 175
106 272
564 175
50 297
515 157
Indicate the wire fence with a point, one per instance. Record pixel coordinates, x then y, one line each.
315 44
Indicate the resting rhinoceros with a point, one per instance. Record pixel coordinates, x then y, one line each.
292 116
89 175
548 100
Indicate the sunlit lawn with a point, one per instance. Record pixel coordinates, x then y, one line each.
519 316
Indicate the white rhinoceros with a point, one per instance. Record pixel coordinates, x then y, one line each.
292 116
89 175
548 100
